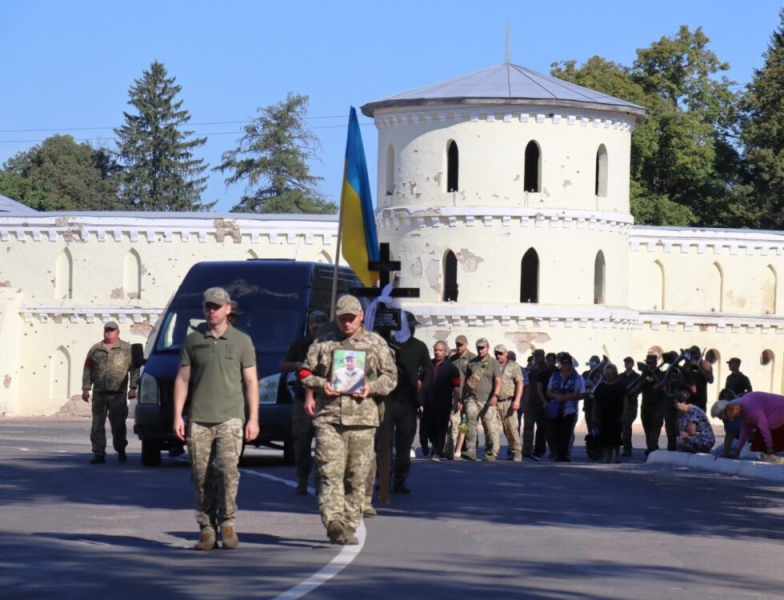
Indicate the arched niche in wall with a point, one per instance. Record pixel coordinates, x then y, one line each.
532 173
132 275
60 374
656 293
452 167
251 254
599 274
450 277
63 278
324 257
769 290
600 182
390 173
529 277
715 290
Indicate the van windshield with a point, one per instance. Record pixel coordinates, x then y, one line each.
272 330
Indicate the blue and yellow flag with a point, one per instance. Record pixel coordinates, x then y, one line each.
358 223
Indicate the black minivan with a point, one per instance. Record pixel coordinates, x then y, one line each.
275 298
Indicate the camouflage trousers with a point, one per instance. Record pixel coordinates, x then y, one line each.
116 406
476 410
455 419
214 450
302 431
510 425
343 456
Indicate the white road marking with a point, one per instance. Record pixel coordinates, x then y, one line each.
344 558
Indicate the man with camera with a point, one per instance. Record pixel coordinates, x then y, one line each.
701 372
653 399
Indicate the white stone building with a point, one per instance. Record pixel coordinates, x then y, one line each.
505 194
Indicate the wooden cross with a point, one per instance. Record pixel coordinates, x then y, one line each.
386 321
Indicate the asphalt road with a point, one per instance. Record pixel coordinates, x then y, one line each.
69 529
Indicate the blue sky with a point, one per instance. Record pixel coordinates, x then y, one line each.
66 67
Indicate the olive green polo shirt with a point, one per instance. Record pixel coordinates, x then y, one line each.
216 374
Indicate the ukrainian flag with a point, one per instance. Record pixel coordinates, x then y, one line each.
357 222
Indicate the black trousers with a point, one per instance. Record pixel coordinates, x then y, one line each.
433 427
652 421
563 428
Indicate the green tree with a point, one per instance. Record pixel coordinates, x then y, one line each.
762 132
60 174
685 169
272 159
161 172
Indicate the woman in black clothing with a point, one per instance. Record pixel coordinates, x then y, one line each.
609 408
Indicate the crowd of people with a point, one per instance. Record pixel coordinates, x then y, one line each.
350 380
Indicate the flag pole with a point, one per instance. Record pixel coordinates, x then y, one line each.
337 265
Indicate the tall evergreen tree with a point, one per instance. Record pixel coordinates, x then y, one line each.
161 173
272 159
762 132
60 174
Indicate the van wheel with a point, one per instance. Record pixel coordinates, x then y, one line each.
151 454
288 451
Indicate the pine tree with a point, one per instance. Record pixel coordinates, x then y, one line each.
161 173
272 159
762 132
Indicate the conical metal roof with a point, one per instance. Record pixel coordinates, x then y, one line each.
507 84
12 206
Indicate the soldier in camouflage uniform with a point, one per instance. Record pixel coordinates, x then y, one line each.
345 424
302 424
461 358
509 400
214 362
106 372
480 395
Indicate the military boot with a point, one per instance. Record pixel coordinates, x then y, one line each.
229 537
207 540
335 532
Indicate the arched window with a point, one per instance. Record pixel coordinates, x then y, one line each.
63 279
599 269
251 254
529 277
715 291
60 375
601 172
450 277
390 188
656 293
452 167
533 162
324 257
769 285
132 275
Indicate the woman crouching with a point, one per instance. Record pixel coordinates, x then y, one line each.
696 433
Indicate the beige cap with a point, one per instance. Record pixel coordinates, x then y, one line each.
111 325
216 295
499 348
482 343
461 339
348 305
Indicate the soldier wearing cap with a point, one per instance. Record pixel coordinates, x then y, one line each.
301 424
461 357
480 395
737 382
106 372
345 423
629 377
215 361
534 424
509 396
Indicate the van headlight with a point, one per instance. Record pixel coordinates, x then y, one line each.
268 389
148 390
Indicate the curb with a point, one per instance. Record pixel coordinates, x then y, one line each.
753 469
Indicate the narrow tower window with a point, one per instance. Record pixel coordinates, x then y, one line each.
452 167
390 179
450 277
529 277
599 269
533 163
601 172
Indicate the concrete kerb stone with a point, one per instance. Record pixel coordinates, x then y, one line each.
753 469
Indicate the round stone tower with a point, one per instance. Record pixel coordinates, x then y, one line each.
505 195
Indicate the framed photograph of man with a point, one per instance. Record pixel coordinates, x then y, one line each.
348 370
